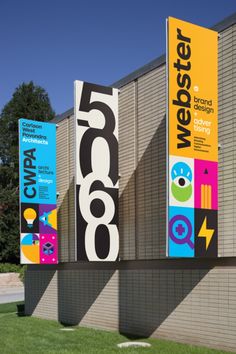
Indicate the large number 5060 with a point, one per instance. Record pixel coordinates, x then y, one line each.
97 172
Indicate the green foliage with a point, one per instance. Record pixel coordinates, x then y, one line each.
10 268
22 273
9 215
28 101
32 102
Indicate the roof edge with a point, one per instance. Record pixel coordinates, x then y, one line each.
225 23
141 71
134 75
63 115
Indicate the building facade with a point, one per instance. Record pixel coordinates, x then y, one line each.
145 293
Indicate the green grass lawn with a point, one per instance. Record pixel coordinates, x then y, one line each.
29 335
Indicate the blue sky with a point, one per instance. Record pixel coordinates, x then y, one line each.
54 42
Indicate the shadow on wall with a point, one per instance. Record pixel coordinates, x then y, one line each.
142 298
37 281
136 301
78 290
148 297
142 214
66 233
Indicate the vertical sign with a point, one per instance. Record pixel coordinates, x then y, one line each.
192 137
38 209
96 176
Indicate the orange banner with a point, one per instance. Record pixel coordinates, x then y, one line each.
192 91
192 140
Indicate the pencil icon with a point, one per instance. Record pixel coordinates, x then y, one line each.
206 195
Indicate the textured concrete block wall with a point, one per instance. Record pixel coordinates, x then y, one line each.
189 302
187 305
227 139
41 294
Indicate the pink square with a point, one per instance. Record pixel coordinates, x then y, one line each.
206 184
48 249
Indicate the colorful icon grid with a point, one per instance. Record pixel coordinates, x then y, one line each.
39 233
193 204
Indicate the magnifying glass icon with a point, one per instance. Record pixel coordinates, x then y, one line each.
180 230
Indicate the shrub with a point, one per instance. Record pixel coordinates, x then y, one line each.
22 273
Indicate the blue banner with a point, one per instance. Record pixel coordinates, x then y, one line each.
37 162
37 167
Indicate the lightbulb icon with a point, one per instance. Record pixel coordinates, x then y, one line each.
30 215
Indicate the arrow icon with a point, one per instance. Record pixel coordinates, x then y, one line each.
205 232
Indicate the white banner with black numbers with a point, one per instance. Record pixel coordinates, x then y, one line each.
96 175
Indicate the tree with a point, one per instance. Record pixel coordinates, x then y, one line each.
9 216
32 102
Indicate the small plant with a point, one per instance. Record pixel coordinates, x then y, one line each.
22 273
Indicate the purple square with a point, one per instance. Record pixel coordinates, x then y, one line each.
47 218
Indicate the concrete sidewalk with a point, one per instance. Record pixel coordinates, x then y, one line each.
11 294
11 288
